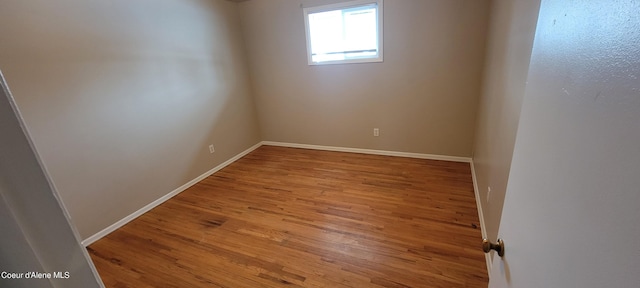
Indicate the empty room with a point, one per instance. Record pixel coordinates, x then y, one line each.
319 143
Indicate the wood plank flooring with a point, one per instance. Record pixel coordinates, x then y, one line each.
285 217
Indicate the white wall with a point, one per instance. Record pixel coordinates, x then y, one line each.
36 233
571 216
423 97
123 97
510 40
15 253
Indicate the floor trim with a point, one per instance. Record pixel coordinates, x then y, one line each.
487 256
370 151
90 240
145 209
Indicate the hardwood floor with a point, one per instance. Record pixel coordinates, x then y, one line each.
304 218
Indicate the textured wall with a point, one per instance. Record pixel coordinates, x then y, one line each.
423 97
36 233
122 98
512 29
571 216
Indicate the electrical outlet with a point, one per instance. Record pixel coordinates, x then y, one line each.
376 132
211 149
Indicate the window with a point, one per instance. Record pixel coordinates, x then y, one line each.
348 32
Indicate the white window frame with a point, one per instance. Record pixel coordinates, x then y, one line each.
339 6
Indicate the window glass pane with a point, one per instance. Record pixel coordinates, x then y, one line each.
360 29
349 33
326 32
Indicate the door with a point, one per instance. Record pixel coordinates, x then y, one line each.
571 215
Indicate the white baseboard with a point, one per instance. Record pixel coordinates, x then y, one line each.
90 240
145 209
487 256
370 151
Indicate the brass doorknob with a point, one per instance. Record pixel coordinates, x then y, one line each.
488 246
